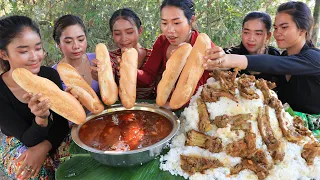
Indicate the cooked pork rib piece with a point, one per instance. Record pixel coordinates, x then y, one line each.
310 151
289 132
213 144
204 121
227 80
237 122
257 163
274 146
263 86
244 147
271 85
244 86
193 164
298 123
212 94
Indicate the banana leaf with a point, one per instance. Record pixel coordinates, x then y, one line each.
83 166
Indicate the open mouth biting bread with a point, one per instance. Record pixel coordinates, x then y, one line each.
87 97
191 73
107 84
61 102
128 77
172 72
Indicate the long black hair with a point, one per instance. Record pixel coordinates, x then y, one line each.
301 15
10 28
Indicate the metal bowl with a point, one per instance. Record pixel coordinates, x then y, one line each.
133 157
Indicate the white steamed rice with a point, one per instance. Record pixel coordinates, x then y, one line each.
293 167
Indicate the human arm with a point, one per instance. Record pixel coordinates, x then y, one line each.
147 74
19 122
305 63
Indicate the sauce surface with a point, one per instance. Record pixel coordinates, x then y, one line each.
125 130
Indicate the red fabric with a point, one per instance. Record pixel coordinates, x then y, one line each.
157 62
142 92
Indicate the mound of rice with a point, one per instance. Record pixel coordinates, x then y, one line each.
293 167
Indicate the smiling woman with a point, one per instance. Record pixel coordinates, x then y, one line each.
299 64
255 36
126 28
32 143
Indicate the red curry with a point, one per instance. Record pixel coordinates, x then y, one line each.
125 130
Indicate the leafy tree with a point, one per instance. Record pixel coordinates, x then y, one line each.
220 19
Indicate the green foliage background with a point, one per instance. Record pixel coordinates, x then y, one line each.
220 19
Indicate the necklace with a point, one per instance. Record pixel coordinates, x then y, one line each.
83 66
82 69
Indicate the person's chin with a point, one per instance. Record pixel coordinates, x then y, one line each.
176 43
34 70
282 46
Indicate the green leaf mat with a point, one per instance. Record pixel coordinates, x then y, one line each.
82 166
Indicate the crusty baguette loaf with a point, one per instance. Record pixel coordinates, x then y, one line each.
87 100
191 73
107 84
128 77
60 102
71 78
170 76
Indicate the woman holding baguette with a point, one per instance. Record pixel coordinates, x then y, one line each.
299 64
177 19
70 35
126 28
35 137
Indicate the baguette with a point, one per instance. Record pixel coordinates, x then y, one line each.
128 77
170 76
191 73
60 102
87 100
71 78
107 84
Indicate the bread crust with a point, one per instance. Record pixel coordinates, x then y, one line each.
191 73
87 100
172 72
60 102
128 77
71 78
107 84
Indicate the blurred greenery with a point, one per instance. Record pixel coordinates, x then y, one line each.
220 19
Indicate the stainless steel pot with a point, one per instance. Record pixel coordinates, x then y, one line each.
134 157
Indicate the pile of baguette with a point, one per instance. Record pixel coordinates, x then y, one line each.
71 108
184 66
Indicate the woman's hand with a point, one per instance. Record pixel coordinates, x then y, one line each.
119 61
68 90
39 108
216 58
94 69
32 160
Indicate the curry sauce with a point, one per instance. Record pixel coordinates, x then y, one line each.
125 130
